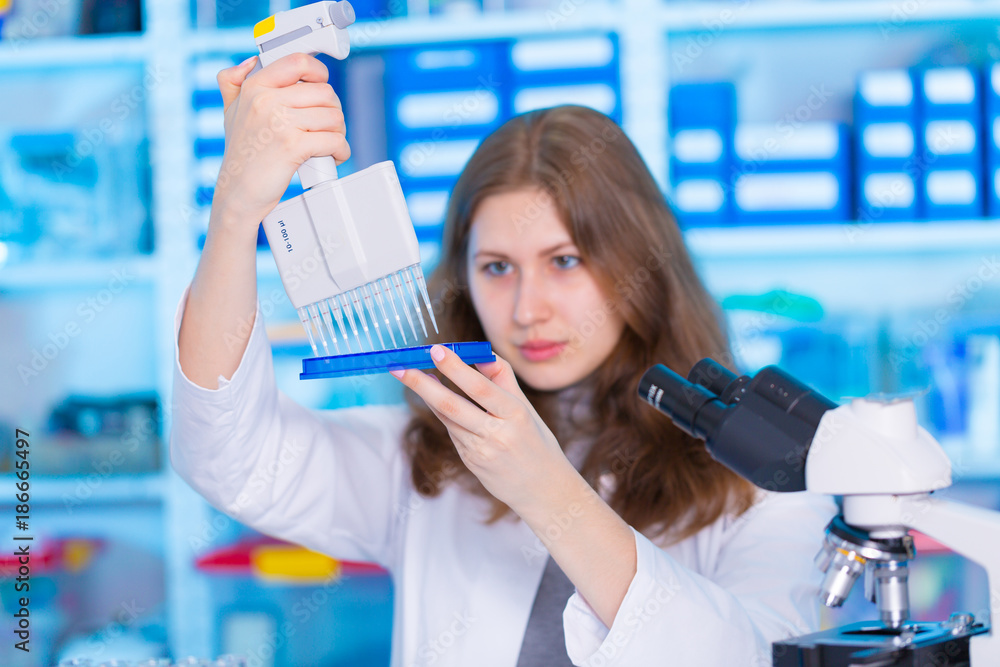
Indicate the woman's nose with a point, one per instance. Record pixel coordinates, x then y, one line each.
532 303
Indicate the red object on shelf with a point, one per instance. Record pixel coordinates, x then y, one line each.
48 556
275 560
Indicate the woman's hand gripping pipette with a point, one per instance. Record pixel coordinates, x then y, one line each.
273 124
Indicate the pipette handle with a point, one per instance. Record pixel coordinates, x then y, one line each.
317 170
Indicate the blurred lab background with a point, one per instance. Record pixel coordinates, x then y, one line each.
835 165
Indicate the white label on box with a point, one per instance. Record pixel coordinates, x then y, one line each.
451 109
954 187
427 209
210 123
886 88
888 139
424 159
950 137
698 146
949 85
809 141
816 191
445 59
699 195
596 96
890 190
549 54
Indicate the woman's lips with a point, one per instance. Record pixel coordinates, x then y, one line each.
540 350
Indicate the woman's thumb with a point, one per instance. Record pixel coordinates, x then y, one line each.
231 78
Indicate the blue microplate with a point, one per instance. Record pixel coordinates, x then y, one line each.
368 363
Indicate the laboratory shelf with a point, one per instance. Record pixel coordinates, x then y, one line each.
75 490
405 31
54 274
728 16
850 238
81 51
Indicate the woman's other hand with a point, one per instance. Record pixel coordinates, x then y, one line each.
273 124
507 447
517 458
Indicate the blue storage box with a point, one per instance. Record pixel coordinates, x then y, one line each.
991 130
447 67
700 202
796 176
885 95
950 136
472 111
434 163
888 184
708 104
701 118
427 211
572 70
887 195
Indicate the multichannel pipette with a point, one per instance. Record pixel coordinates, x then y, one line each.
345 248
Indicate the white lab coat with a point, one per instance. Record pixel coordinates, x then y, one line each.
337 482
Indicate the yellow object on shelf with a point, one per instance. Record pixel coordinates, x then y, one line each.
289 563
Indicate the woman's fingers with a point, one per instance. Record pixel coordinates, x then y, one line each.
305 95
443 401
291 69
321 144
493 397
318 119
231 80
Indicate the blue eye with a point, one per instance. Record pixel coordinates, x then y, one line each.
566 261
497 268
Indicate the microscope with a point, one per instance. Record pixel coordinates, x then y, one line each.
781 435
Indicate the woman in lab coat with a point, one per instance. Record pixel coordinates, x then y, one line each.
531 511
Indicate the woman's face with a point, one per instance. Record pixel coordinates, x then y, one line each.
538 303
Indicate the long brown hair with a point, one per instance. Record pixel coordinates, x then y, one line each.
661 478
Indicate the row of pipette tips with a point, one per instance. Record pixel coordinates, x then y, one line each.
327 316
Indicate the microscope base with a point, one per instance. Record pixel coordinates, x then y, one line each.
870 643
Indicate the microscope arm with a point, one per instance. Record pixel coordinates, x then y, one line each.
971 531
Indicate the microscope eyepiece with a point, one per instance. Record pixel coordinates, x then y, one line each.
760 427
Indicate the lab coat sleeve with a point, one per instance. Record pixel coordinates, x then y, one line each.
327 480
763 588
